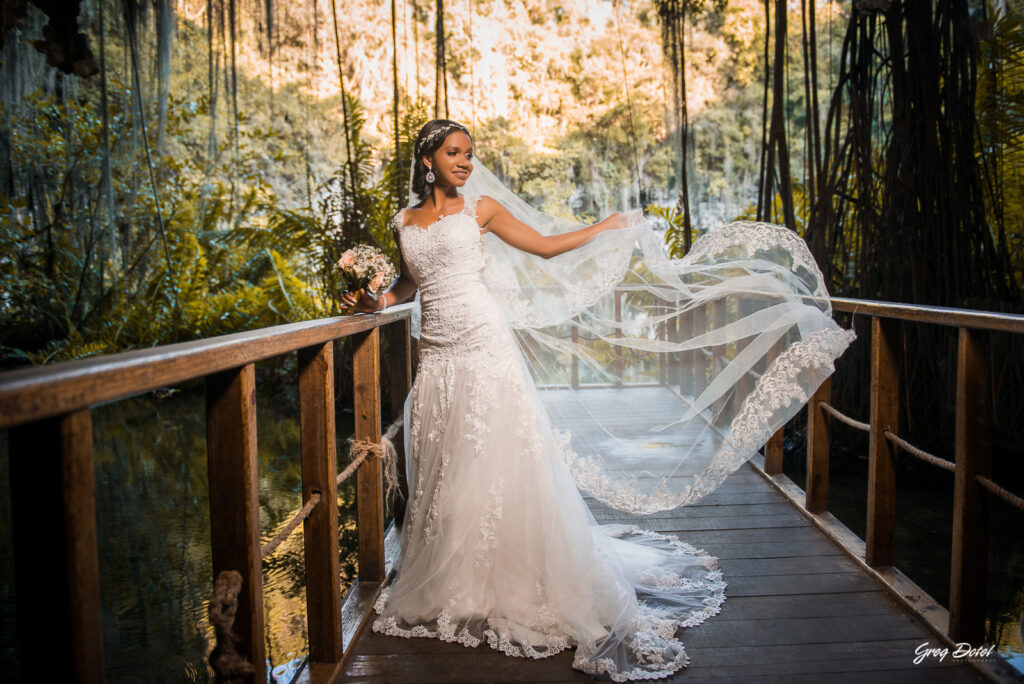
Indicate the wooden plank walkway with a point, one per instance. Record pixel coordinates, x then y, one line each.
798 610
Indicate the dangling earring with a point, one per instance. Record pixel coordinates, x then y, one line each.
430 175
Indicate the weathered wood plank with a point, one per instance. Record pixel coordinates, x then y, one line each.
801 606
369 492
235 503
56 562
736 522
744 536
724 655
764 567
35 393
928 675
690 512
891 668
716 498
778 585
475 665
881 515
791 549
973 444
804 630
320 529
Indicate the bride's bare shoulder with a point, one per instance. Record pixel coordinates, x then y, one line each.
487 207
408 215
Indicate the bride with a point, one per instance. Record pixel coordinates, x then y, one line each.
531 329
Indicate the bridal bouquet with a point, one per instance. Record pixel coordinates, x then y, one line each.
365 266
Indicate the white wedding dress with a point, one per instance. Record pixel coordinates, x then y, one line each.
498 545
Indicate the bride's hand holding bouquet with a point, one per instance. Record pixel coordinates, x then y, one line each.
368 270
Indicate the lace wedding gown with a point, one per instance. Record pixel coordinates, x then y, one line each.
498 545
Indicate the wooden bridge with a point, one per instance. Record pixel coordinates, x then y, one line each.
807 599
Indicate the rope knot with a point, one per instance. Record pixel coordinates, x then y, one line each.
361 449
225 660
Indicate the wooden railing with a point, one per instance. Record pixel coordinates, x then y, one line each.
48 412
965 619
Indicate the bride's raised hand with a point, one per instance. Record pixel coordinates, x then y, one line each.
614 221
363 303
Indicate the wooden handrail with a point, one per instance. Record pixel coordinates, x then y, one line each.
49 412
30 394
965 619
938 315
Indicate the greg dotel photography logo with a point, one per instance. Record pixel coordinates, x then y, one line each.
940 653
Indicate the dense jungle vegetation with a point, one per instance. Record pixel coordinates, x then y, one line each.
199 166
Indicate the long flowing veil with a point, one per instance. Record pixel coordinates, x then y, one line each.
663 375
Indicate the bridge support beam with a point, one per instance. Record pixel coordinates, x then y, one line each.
235 502
369 476
885 407
56 561
970 504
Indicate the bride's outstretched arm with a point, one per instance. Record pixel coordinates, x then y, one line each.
498 220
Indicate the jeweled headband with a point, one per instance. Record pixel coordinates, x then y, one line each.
441 132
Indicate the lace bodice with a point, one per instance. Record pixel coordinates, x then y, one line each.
447 253
461 319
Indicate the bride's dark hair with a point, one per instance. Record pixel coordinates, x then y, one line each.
430 139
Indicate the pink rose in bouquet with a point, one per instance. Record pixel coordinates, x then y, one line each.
348 258
376 284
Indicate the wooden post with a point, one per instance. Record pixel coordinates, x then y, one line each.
56 562
618 333
700 362
320 529
881 514
235 503
369 493
400 375
969 569
816 499
719 311
662 335
575 376
773 452
672 358
745 386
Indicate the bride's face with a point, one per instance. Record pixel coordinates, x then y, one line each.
453 161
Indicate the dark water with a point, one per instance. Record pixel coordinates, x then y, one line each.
152 504
924 530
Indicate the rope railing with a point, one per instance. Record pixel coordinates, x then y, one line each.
225 660
271 546
843 418
1004 494
919 453
360 450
